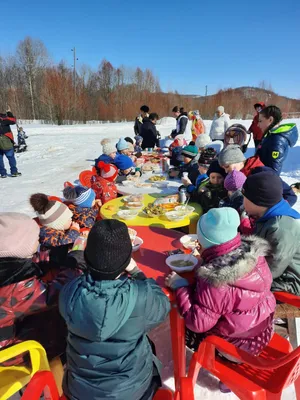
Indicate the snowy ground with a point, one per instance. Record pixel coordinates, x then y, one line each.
59 153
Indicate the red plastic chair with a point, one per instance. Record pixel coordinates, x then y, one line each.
85 178
258 378
186 389
288 298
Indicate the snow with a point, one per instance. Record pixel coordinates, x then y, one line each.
59 153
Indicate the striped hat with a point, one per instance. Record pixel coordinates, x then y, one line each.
80 196
108 171
56 217
190 151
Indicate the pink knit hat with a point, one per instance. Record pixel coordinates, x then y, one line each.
19 235
234 181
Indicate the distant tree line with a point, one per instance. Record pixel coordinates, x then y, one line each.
35 88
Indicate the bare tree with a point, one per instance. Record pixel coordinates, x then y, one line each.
32 56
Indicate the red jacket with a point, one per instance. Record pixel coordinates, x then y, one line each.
250 164
254 128
105 190
5 121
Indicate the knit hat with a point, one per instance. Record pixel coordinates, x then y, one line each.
80 196
123 162
190 151
108 147
203 140
234 181
53 214
207 156
138 140
19 235
215 167
108 171
122 145
218 226
108 250
221 109
263 189
231 154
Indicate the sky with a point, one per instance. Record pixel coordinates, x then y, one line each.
187 44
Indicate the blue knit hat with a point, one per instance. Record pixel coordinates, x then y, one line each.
122 144
218 226
80 196
123 162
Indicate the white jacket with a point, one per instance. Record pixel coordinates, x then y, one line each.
219 126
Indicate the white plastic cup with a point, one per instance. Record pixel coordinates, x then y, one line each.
185 175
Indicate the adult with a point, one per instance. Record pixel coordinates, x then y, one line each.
277 139
149 133
232 158
182 125
144 113
279 224
7 144
254 128
198 127
220 124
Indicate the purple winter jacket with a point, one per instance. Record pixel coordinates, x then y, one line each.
232 298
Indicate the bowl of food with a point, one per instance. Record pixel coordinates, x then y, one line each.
181 262
137 243
175 215
189 241
127 183
157 178
133 198
187 209
134 205
162 184
127 214
153 211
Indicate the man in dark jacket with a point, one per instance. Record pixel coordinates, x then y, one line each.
254 128
7 144
149 133
139 119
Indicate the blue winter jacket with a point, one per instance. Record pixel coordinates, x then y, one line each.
105 158
275 146
108 353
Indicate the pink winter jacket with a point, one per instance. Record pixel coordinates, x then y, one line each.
232 297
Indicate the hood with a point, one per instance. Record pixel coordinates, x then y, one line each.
281 209
288 131
96 310
261 103
229 268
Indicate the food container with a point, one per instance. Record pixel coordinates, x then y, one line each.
175 215
182 257
132 234
162 184
127 214
137 243
188 241
128 183
187 209
134 205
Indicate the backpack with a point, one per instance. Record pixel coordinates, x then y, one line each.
5 143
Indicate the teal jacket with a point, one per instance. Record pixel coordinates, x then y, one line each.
108 352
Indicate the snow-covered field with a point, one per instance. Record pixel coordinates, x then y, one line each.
59 153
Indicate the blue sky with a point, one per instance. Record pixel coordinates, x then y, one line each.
187 44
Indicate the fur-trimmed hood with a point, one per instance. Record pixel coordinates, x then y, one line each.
236 264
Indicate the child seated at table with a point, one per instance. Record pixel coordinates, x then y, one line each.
233 183
83 204
211 191
175 151
231 297
57 230
109 152
138 145
108 312
104 182
126 168
189 163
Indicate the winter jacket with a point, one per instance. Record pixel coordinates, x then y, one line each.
183 127
84 216
5 121
219 127
275 146
254 165
138 124
209 195
105 190
149 134
25 305
192 169
176 158
200 179
198 127
235 201
108 354
105 158
280 226
254 128
232 297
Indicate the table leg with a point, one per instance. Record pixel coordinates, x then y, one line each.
177 327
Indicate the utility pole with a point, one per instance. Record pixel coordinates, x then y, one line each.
205 90
74 75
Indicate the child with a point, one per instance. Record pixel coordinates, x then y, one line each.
211 191
277 139
28 306
126 168
123 147
190 164
138 144
231 297
278 223
175 151
104 183
108 313
109 152
22 146
233 183
206 158
57 231
82 204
